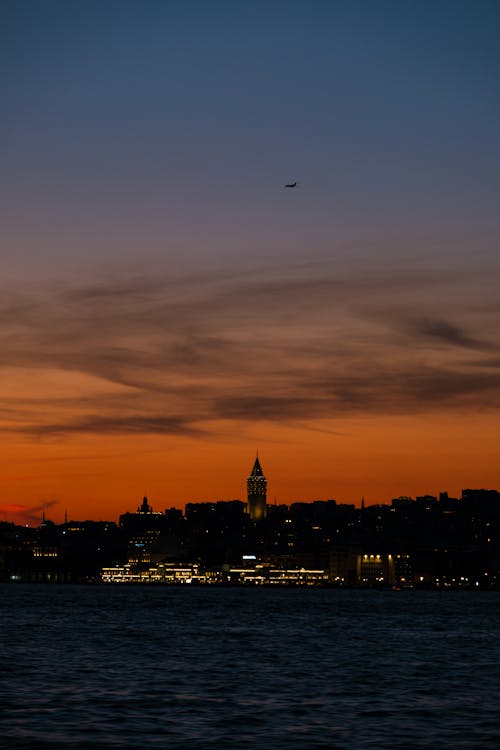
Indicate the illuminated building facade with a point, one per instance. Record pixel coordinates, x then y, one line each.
256 493
375 570
172 573
261 574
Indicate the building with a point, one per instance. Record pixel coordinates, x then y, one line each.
261 574
143 530
256 493
375 570
169 573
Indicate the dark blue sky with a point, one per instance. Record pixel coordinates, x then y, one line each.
166 130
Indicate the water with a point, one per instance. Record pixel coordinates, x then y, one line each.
212 668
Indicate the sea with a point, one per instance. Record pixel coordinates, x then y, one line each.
213 668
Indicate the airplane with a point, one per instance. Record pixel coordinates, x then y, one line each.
291 184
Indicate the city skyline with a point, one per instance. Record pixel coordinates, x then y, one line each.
168 306
254 498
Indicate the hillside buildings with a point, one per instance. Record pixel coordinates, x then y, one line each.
423 542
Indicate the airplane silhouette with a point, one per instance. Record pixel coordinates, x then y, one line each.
291 184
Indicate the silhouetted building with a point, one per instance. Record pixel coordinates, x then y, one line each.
143 530
145 518
145 507
403 569
257 490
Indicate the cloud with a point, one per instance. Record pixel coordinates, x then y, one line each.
448 333
13 508
45 505
126 425
27 513
280 345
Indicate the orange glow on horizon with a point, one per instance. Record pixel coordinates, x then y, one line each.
377 459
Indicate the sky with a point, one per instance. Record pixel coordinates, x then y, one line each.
168 307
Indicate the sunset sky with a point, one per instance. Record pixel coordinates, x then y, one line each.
168 307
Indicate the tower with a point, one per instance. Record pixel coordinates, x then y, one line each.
256 490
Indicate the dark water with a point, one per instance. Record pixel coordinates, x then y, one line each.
195 668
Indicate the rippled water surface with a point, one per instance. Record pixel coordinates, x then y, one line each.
195 668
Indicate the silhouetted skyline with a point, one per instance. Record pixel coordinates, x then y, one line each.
430 542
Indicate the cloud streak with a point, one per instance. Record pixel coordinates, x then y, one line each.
174 356
27 513
447 333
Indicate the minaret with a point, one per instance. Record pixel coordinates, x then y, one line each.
256 489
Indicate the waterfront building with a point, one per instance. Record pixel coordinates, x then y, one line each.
263 574
375 569
167 573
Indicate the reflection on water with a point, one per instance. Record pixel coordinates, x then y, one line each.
203 668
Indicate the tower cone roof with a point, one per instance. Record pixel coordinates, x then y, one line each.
257 469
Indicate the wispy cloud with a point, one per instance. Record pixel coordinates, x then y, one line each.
448 333
300 344
28 513
116 425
